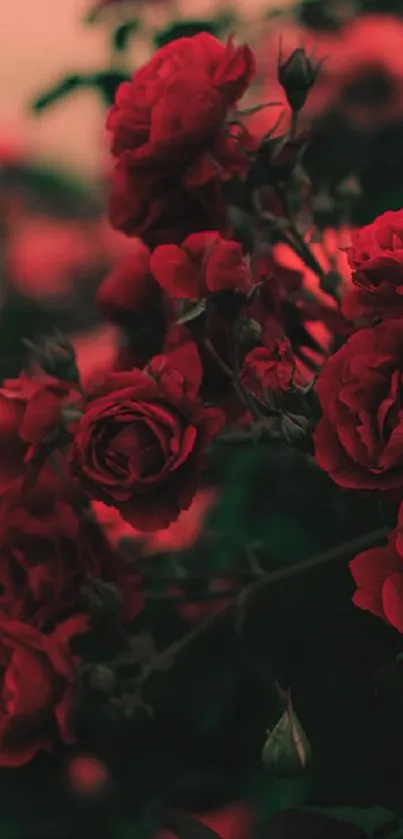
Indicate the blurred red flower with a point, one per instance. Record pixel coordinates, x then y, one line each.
361 75
378 575
36 689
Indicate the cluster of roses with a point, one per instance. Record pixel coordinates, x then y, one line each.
135 441
359 439
200 304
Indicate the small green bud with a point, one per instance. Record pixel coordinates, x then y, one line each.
248 332
287 752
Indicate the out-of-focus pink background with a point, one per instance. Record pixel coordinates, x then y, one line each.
40 40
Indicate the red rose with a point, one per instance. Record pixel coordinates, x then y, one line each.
169 133
204 264
269 368
359 439
159 212
30 411
140 442
47 556
378 575
376 258
37 688
129 289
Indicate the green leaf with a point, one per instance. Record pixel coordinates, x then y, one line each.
107 83
122 34
57 92
376 821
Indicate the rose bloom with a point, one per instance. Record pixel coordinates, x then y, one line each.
30 411
170 141
359 439
376 259
36 688
203 264
270 368
378 575
140 444
47 556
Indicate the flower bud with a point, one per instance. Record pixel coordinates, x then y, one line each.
56 357
248 332
295 428
287 752
297 75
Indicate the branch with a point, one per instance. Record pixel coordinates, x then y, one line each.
347 549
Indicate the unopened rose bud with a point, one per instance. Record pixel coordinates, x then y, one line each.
295 428
56 357
248 332
287 752
297 75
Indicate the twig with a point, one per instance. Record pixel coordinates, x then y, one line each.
340 552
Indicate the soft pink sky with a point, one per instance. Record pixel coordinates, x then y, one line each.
40 40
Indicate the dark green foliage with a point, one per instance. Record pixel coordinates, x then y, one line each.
57 92
122 35
105 83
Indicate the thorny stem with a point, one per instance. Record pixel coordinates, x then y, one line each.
246 398
293 125
346 549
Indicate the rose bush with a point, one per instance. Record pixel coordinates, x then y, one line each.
140 443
